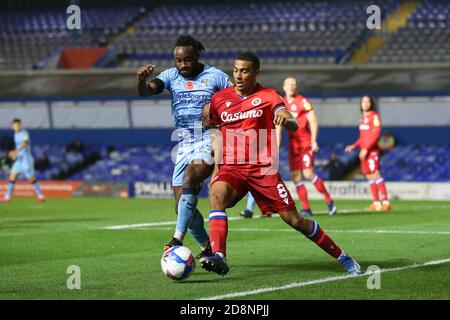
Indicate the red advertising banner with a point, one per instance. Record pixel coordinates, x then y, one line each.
51 189
80 58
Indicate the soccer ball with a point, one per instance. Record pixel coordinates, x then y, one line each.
178 263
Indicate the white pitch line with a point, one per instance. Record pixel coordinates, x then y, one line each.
164 223
319 281
446 233
393 231
152 224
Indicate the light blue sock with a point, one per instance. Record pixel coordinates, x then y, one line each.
250 202
198 231
186 208
10 189
37 188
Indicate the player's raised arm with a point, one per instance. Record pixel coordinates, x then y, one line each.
147 88
286 120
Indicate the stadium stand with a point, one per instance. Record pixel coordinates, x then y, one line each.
62 164
288 32
425 38
293 32
27 38
417 163
283 33
153 163
124 164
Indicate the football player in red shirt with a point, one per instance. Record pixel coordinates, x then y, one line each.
247 148
303 145
369 154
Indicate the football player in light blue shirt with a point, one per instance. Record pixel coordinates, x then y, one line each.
23 161
191 85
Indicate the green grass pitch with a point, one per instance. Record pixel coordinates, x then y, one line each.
38 242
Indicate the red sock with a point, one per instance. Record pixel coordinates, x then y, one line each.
382 188
374 190
319 237
303 195
218 231
320 186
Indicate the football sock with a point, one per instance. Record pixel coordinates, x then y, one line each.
319 237
198 231
303 195
186 208
10 189
382 188
218 230
374 190
250 202
320 186
37 188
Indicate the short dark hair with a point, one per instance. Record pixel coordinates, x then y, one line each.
17 120
373 105
249 56
187 40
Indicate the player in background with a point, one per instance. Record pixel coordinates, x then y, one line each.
303 145
250 206
191 85
369 154
251 110
23 162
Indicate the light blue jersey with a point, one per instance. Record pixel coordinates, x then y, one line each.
19 138
189 96
24 163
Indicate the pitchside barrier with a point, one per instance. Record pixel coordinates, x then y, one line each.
339 190
351 190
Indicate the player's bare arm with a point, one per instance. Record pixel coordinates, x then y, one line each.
314 128
279 135
147 88
349 148
216 143
286 120
363 153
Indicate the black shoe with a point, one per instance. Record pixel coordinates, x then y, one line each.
205 253
216 264
306 213
266 215
173 243
246 214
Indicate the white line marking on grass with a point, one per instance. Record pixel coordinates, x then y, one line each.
340 211
415 232
165 223
394 231
151 224
319 281
346 231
